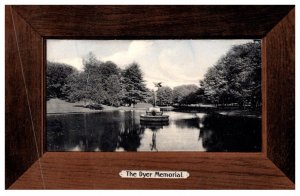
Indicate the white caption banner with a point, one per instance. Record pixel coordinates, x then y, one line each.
154 174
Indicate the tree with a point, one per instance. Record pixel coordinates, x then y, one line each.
105 83
134 88
236 78
111 82
164 95
87 85
194 97
179 92
215 84
114 92
98 83
107 69
56 76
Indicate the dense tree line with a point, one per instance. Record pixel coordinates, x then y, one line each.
99 82
236 77
181 92
234 80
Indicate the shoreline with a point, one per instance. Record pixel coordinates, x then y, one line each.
95 111
60 107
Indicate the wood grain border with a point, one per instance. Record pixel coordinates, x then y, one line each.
27 166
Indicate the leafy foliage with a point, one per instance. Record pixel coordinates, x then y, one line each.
56 77
99 82
180 92
194 97
164 96
236 78
134 88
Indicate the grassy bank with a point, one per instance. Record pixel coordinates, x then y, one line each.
58 106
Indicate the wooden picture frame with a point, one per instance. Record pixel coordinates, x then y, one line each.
28 166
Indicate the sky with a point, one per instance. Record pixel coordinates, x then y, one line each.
172 62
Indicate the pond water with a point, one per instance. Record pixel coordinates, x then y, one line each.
122 131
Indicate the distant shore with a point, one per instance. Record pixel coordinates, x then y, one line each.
58 106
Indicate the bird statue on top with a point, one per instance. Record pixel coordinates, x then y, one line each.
158 84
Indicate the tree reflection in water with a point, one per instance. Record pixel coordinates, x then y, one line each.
231 133
154 127
130 139
122 131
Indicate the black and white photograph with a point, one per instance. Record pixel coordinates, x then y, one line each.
153 95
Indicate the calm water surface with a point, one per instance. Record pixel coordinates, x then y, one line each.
122 131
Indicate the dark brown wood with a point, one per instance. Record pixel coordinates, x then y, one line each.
264 96
23 98
207 171
142 22
280 58
34 24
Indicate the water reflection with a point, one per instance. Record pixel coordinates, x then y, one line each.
231 133
122 131
154 127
